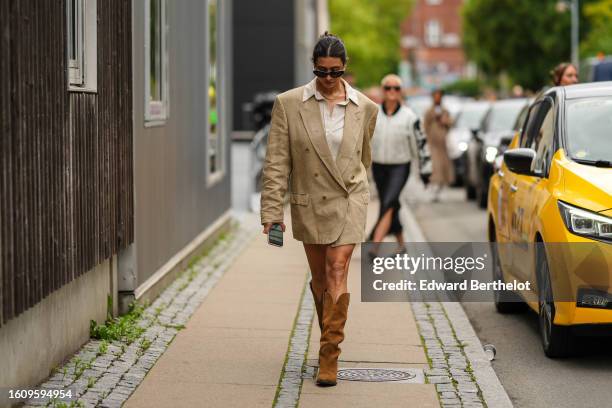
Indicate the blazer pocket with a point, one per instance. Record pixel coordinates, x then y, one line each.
365 197
299 198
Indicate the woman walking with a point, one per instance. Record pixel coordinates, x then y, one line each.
393 149
320 135
436 124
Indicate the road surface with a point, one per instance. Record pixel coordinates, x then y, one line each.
530 378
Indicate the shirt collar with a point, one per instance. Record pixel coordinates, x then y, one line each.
382 106
311 90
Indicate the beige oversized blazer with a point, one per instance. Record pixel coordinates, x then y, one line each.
326 195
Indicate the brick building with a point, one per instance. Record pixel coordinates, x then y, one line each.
431 43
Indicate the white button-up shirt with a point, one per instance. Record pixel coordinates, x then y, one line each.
333 122
394 141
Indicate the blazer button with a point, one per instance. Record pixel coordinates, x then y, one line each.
316 174
307 149
325 198
358 151
353 177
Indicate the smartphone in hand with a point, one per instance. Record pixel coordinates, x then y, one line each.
275 235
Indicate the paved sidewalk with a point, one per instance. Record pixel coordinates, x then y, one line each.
378 335
233 350
238 328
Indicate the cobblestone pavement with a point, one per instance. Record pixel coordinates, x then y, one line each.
462 373
450 369
104 374
295 368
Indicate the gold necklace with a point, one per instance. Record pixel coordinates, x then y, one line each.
330 99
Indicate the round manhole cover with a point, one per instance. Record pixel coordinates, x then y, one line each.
373 374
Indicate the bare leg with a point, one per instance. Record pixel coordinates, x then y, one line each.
437 191
316 261
383 226
336 269
400 241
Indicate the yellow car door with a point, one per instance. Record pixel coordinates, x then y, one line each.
503 214
530 191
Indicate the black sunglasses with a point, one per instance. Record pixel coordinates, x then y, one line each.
323 74
388 88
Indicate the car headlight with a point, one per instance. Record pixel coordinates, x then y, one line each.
586 223
463 146
490 154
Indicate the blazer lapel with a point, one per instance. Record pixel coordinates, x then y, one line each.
352 125
311 116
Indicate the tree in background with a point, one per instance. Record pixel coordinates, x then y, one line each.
371 32
522 38
599 38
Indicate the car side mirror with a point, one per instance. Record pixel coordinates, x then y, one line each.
519 160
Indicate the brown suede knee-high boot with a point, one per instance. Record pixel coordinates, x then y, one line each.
332 334
318 301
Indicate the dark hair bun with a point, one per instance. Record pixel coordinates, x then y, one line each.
329 45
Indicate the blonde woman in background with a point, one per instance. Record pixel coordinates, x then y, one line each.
393 150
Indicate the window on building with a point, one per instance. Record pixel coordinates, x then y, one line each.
156 66
82 45
433 2
433 33
214 134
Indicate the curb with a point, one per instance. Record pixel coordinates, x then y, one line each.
493 392
295 368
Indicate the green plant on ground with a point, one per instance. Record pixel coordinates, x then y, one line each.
174 326
159 309
90 382
192 273
144 344
55 403
123 328
102 348
80 366
109 307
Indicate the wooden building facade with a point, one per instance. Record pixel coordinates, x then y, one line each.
66 157
115 162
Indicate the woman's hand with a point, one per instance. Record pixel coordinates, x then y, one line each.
268 225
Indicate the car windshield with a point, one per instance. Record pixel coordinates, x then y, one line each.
503 116
470 117
589 129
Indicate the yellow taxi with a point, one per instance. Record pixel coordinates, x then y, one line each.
549 214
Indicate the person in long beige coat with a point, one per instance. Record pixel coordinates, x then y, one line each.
436 124
319 151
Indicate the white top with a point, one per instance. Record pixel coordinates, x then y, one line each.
394 141
333 122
